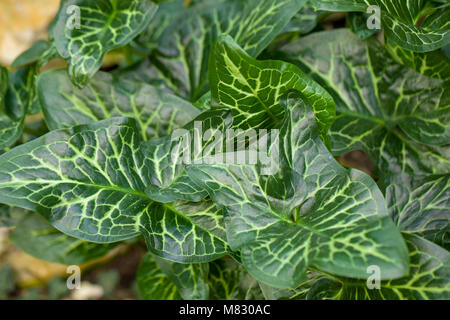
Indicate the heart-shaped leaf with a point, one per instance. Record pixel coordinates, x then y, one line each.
85 30
252 88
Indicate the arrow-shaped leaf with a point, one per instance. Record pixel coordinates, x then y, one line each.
312 213
86 181
252 88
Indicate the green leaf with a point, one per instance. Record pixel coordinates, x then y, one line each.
190 279
401 119
157 112
311 213
400 21
433 64
222 279
9 129
21 97
38 238
32 55
153 284
305 20
15 102
299 293
104 25
228 280
181 58
89 182
428 279
252 88
163 19
167 157
420 205
186 232
24 88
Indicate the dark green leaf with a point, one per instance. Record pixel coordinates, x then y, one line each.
305 20
181 60
428 279
103 26
228 280
32 55
420 205
252 88
166 158
358 24
311 213
400 20
89 182
157 112
190 279
10 216
185 231
400 118
15 102
154 284
433 64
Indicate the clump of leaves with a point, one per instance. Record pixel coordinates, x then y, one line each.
312 229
